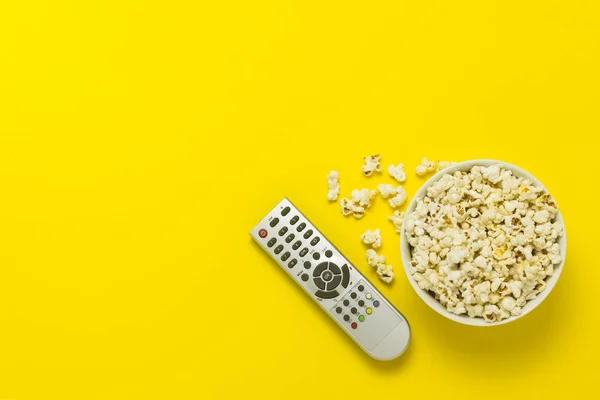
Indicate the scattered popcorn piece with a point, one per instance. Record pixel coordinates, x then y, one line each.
372 237
444 164
397 220
385 272
361 199
386 190
373 259
372 164
399 198
334 186
425 167
363 196
349 208
483 241
397 172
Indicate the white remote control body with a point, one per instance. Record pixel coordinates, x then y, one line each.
333 282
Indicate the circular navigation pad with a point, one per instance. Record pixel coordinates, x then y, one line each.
327 276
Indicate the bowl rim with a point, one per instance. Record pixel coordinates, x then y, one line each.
405 248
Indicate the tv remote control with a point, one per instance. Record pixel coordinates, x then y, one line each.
331 280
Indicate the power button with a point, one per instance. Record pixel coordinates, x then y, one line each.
262 233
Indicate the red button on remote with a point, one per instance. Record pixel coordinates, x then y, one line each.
354 325
262 233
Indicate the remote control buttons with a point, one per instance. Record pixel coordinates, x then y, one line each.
319 282
353 310
368 296
334 282
327 277
346 303
301 227
338 310
328 253
361 318
285 211
319 269
274 222
271 242
346 318
345 275
308 234
327 295
375 303
293 263
297 245
335 269
353 295
316 256
361 288
278 249
369 311
354 325
307 264
303 252
361 303
283 230
294 220
290 237
315 241
304 277
285 256
262 233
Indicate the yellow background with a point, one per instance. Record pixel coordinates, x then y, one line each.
140 141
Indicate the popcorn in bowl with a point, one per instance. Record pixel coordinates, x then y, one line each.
483 242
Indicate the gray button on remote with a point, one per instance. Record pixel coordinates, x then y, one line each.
289 238
303 252
320 268
326 295
278 249
297 245
319 282
294 220
271 242
334 282
346 275
285 256
335 269
283 230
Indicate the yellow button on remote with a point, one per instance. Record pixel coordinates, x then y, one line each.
369 311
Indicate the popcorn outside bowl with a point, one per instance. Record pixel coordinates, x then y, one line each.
405 248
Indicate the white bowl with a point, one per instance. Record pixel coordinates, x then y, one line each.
405 248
